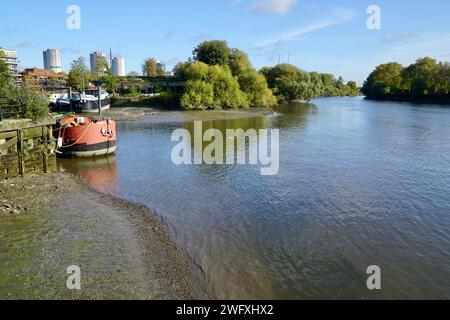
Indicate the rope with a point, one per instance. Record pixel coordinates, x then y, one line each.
82 136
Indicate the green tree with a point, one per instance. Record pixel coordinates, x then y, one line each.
253 84
353 88
198 95
5 74
289 83
213 53
225 88
181 69
227 93
110 81
30 104
79 75
239 63
385 80
152 68
420 77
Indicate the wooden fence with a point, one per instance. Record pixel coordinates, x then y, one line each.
27 149
9 112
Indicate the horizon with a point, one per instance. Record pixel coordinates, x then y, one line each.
314 36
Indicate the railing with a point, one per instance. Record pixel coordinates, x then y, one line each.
27 150
8 112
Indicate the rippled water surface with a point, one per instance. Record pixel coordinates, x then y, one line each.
360 183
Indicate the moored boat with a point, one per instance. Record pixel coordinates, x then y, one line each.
81 136
86 102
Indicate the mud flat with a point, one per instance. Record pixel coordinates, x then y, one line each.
50 222
158 115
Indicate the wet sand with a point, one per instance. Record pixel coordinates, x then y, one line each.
159 115
50 222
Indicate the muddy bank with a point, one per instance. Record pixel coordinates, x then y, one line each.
50 222
159 115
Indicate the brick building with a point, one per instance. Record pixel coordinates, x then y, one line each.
42 80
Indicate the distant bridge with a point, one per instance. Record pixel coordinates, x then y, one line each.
150 85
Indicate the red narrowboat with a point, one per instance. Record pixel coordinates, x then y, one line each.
80 136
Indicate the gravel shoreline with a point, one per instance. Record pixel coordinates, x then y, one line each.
53 221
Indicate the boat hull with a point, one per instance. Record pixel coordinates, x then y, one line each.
91 138
89 151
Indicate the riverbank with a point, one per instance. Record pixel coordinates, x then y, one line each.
162 115
50 222
430 99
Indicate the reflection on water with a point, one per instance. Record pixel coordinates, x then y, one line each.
360 183
100 173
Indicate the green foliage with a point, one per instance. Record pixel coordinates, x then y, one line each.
213 53
152 68
254 85
5 75
181 69
110 81
424 78
79 74
211 87
289 83
199 95
227 93
31 105
235 83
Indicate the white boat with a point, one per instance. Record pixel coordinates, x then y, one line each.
87 102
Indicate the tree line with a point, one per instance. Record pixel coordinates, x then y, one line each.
218 76
425 80
80 77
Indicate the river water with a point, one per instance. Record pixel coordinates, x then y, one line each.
360 183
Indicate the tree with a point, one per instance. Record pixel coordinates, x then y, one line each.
227 93
102 67
152 68
181 69
201 79
213 53
5 74
253 84
198 95
79 74
420 77
239 63
424 79
385 80
110 81
31 105
289 83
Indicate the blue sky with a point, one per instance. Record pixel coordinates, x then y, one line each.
324 36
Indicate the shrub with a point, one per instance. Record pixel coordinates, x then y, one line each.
198 95
31 105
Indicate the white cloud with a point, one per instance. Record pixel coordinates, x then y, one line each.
336 16
275 6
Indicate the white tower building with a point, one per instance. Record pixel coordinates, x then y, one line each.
95 56
52 60
118 66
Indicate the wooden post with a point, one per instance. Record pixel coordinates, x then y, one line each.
45 151
99 101
20 151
